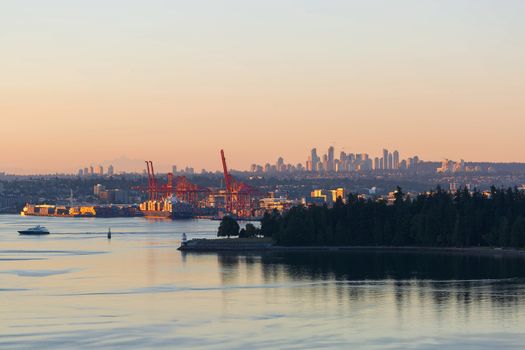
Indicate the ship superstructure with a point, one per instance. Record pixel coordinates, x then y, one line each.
169 207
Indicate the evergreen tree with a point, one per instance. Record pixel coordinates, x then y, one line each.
270 223
251 230
517 233
228 227
503 232
437 218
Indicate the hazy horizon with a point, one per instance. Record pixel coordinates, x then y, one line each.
174 82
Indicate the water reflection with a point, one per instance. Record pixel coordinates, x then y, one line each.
75 289
441 280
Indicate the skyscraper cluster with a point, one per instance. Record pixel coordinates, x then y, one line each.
357 162
279 167
187 170
347 162
90 171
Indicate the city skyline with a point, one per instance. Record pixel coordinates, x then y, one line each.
177 82
331 160
317 174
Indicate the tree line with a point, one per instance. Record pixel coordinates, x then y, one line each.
230 227
437 218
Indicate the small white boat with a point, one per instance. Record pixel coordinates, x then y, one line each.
37 230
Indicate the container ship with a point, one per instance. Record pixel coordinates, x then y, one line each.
170 208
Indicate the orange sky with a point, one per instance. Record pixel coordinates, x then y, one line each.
175 82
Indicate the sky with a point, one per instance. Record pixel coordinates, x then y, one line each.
89 82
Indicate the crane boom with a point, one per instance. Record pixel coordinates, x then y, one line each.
226 174
153 181
150 185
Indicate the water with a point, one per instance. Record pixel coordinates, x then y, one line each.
74 288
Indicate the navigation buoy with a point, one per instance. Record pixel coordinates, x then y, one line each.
184 239
109 233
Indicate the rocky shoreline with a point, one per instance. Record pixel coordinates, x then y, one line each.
266 245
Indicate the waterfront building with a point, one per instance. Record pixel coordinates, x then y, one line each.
338 193
281 204
318 194
97 189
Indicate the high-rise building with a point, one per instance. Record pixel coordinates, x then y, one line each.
330 163
111 170
280 164
343 162
174 169
390 161
91 170
100 170
396 160
80 172
309 164
315 159
385 159
376 163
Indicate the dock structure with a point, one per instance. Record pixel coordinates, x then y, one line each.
121 210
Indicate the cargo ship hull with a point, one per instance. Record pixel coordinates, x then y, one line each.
170 208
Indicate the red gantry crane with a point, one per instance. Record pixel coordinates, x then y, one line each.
183 189
239 196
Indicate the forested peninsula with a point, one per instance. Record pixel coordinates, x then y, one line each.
434 219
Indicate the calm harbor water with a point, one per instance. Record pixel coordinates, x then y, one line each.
74 288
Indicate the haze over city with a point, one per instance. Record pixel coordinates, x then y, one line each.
240 174
87 82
